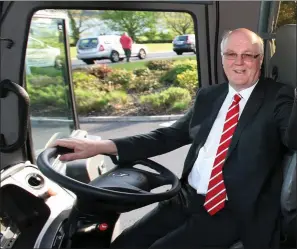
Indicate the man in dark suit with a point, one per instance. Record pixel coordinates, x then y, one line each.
232 176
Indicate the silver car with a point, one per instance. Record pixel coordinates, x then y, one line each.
101 47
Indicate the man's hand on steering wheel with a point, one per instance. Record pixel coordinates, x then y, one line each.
85 148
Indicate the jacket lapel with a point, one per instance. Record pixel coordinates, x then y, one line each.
213 112
250 109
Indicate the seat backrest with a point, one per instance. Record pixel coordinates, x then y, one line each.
282 67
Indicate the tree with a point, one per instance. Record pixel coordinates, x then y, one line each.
135 23
287 13
82 20
179 23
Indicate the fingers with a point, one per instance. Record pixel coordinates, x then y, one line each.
71 156
68 143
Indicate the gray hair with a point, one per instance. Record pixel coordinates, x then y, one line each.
226 35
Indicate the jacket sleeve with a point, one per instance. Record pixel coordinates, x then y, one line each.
156 142
286 116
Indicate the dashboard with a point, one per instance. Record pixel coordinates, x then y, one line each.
9 232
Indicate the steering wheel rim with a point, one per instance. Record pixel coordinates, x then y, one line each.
105 194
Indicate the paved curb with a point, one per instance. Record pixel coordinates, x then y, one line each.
37 120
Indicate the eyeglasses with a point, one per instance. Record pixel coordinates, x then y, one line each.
245 57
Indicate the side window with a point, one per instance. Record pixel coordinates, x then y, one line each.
287 13
47 81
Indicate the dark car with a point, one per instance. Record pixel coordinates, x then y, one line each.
184 43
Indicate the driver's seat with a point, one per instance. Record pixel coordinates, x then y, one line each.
282 67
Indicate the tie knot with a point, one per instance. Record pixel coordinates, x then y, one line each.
237 98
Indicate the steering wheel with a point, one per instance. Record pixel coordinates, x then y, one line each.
123 185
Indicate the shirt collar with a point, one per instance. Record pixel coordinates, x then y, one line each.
245 93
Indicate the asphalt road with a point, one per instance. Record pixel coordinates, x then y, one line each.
151 56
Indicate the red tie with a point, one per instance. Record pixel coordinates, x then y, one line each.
216 192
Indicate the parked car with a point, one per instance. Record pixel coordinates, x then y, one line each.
184 43
101 47
40 54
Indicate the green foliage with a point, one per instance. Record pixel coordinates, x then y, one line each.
172 98
118 98
179 67
144 83
179 23
188 80
120 76
100 70
133 22
49 71
85 81
142 71
44 97
287 13
87 101
160 65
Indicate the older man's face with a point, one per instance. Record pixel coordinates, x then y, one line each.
241 60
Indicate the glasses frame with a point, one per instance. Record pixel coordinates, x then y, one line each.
253 56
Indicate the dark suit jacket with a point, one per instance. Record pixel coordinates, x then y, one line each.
252 170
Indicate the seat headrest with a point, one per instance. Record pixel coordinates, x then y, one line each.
282 66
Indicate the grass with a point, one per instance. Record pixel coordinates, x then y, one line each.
152 47
142 64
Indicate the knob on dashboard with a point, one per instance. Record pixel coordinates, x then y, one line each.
35 180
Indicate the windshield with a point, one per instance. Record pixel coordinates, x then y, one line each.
88 43
181 38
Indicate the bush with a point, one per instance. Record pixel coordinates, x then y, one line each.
118 98
100 71
142 71
86 81
188 80
144 83
121 76
162 65
50 96
87 101
172 98
179 67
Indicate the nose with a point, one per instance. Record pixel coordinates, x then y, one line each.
239 60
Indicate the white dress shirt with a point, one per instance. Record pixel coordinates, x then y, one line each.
201 171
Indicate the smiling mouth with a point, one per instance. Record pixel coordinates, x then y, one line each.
239 71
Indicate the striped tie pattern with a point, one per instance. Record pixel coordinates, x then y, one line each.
216 192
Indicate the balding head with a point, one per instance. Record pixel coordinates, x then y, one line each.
253 37
242 57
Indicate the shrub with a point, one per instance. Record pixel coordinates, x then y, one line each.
120 76
188 80
53 95
86 81
178 68
100 70
118 98
163 65
87 101
142 71
144 83
172 98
